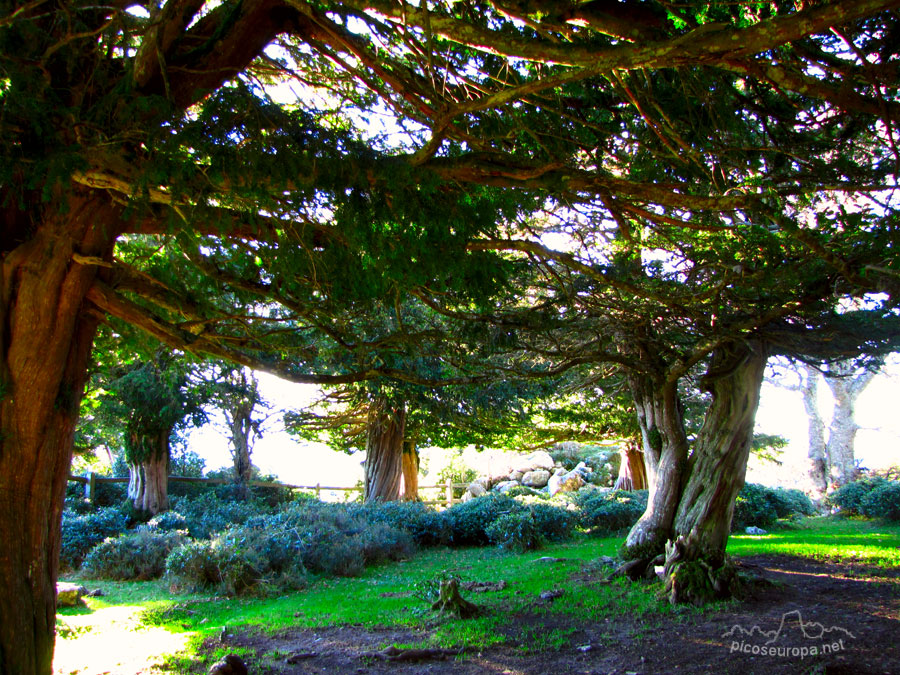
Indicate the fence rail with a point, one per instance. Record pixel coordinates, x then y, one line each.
92 480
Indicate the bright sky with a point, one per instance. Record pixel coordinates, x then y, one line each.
781 412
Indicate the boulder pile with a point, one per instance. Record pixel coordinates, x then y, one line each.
537 471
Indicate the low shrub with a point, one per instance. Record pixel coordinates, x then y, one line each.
883 501
275 552
168 521
516 531
849 498
753 507
468 522
789 502
80 533
425 525
555 523
207 515
138 556
519 491
605 512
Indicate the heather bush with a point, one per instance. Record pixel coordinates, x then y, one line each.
137 556
80 533
753 507
883 501
468 522
516 531
605 512
849 498
426 526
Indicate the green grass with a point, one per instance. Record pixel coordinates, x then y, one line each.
392 595
828 538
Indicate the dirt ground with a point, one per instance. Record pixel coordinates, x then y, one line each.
816 617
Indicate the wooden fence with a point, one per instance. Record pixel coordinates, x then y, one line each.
92 480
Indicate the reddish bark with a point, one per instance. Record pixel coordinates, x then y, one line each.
384 451
46 334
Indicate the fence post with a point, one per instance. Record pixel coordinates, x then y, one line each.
449 493
319 491
90 488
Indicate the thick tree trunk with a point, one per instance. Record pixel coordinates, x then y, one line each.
632 471
818 466
840 450
665 452
45 345
384 452
695 563
148 480
410 470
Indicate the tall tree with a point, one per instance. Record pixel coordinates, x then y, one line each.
235 394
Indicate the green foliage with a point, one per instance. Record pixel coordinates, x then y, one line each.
610 511
515 531
753 507
137 556
456 471
276 551
469 521
849 498
426 526
760 506
168 521
207 515
555 523
883 501
790 502
80 533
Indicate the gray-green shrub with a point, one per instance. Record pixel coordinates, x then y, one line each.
883 501
138 556
80 533
468 522
516 531
607 512
849 498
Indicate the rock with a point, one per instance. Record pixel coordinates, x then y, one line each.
505 486
552 595
69 595
484 482
539 459
516 476
536 479
755 530
565 482
230 665
474 490
96 593
606 560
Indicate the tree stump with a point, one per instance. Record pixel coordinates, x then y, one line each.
451 602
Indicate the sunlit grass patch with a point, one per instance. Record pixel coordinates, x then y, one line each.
828 538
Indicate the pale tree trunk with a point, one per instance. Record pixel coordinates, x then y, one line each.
695 567
840 449
45 346
632 471
384 452
410 470
148 481
241 426
818 465
665 453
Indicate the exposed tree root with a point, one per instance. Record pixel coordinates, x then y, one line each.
395 654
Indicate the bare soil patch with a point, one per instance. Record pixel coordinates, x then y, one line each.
814 617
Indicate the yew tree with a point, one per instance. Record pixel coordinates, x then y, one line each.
150 170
